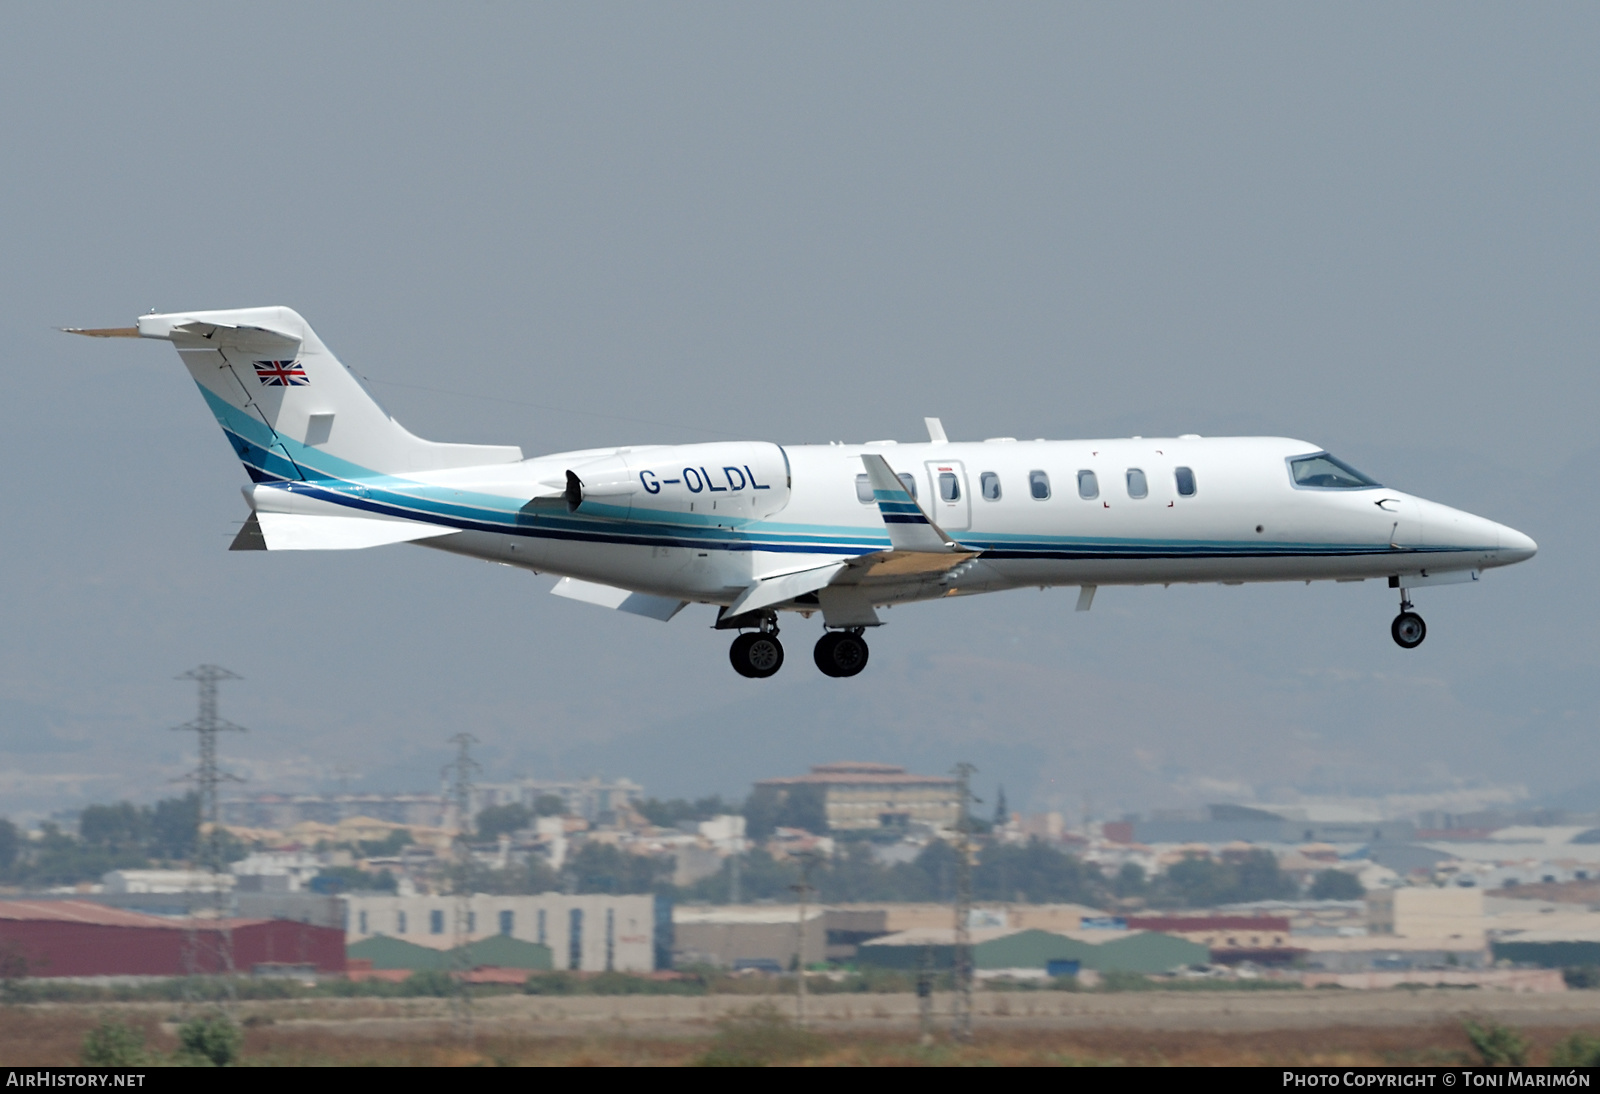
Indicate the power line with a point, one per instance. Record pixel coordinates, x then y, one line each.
961 1026
460 772
209 835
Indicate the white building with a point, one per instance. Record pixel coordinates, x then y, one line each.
165 881
288 871
591 933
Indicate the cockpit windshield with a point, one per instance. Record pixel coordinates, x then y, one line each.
1325 472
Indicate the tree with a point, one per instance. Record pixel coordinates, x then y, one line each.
1333 884
1130 881
499 819
1259 878
667 814
549 805
118 829
801 806
1200 882
1035 872
174 823
9 843
1001 816
603 868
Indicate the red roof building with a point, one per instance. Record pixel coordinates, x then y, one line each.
77 938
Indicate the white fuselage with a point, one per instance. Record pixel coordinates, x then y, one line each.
702 522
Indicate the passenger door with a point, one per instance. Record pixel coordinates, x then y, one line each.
948 504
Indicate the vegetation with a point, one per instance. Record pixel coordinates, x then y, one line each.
769 808
213 1039
1336 885
112 1044
760 1038
1497 1045
498 820
1034 871
122 836
1579 1050
352 879
669 814
604 868
1200 882
1581 976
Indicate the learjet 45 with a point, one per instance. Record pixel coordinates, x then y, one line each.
840 530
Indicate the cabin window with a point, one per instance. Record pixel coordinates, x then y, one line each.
508 920
949 487
863 490
399 923
1323 472
909 483
1185 477
1137 486
436 922
990 484
1039 485
1088 485
362 919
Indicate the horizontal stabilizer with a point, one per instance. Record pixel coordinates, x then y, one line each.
609 596
300 532
775 590
247 338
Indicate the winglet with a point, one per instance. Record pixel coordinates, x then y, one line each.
909 527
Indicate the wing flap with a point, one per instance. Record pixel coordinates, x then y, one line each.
775 590
609 596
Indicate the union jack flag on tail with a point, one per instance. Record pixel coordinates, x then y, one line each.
281 374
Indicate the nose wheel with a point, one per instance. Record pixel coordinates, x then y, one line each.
1408 629
841 653
757 655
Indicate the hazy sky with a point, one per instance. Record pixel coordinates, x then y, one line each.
1369 226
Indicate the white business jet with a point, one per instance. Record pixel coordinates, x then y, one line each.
842 530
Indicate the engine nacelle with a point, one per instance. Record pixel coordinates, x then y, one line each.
728 481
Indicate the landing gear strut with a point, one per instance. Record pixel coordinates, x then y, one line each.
841 653
760 654
1408 628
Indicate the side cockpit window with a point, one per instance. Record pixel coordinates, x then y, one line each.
1324 472
1185 477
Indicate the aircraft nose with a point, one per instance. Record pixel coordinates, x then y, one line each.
1516 547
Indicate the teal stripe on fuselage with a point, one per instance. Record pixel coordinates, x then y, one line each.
330 478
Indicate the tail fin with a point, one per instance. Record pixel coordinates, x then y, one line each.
289 408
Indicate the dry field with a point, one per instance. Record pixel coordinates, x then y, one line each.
1137 1028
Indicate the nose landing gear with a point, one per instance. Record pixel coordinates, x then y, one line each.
1408 629
841 653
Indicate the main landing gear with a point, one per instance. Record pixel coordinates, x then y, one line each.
1408 628
757 655
841 653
